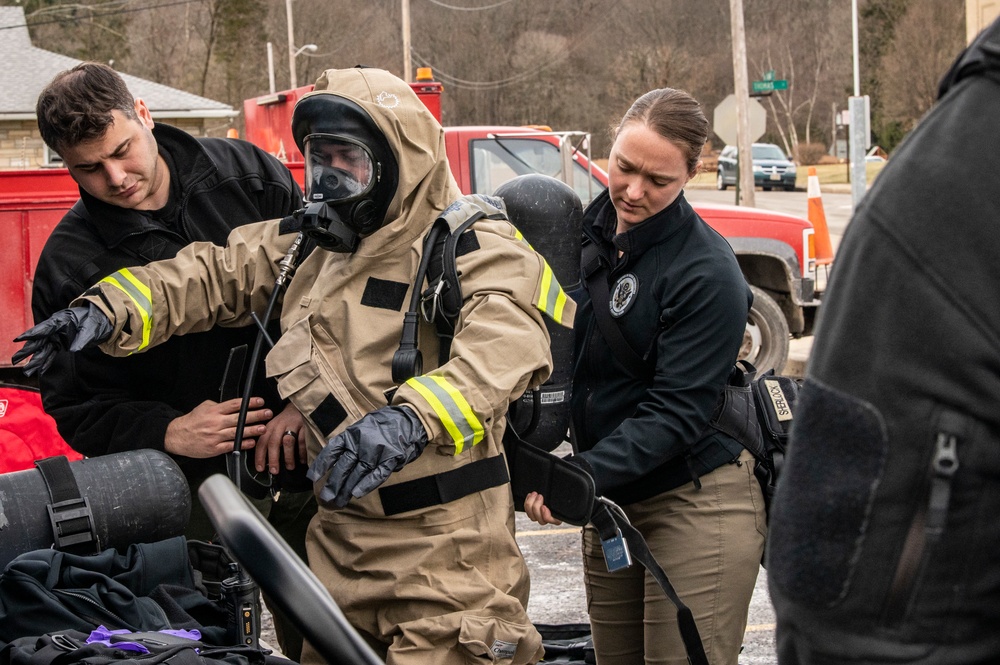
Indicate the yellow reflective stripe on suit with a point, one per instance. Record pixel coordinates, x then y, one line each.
552 299
139 294
451 408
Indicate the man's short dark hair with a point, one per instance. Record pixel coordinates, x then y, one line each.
76 106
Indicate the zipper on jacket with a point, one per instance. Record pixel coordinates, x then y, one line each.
103 610
926 528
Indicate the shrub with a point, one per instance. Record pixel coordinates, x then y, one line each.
809 153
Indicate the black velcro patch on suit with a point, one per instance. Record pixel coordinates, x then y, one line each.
328 414
384 294
290 224
819 519
467 242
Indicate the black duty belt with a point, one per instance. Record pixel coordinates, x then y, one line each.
444 487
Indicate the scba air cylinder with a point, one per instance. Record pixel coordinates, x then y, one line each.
138 496
550 216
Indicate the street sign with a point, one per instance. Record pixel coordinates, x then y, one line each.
724 120
770 86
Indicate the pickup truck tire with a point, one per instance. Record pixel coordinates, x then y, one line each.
765 341
720 182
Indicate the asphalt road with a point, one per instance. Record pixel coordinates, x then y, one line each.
836 206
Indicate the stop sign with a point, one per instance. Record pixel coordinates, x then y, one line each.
724 120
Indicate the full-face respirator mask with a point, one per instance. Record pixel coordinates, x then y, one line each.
351 173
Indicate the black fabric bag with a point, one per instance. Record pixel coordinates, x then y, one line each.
148 587
566 644
69 647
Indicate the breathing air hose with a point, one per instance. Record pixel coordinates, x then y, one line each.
286 268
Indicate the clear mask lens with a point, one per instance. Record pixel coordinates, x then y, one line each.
337 169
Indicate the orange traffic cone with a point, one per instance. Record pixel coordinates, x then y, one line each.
232 133
821 234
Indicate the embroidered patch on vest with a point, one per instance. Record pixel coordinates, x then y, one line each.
623 295
328 414
384 294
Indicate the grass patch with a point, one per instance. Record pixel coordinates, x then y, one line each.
828 174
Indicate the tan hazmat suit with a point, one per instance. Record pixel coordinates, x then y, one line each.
440 584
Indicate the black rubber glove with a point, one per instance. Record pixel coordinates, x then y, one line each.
70 329
361 457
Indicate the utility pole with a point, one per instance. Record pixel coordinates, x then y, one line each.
860 136
407 66
742 81
291 46
270 67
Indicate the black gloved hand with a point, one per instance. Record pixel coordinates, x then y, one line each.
361 457
70 329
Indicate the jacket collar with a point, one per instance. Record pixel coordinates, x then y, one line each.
600 222
191 165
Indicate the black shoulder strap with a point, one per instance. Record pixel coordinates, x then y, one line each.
72 520
595 276
442 301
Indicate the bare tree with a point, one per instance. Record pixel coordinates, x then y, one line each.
570 65
806 47
927 39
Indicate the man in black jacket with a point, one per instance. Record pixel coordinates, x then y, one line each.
146 191
884 536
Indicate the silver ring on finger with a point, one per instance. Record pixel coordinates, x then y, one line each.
294 435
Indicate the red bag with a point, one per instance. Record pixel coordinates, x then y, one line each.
27 433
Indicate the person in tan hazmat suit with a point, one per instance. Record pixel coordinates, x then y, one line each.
426 568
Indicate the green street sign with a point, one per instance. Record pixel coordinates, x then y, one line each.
770 86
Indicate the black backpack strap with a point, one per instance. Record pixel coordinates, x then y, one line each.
441 302
595 277
609 521
72 520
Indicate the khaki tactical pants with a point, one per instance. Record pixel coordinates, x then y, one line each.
709 542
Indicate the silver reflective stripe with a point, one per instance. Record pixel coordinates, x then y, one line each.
451 408
139 294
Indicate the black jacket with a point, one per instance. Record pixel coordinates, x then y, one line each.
103 404
645 435
884 524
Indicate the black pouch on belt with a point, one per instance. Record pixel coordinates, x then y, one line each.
567 488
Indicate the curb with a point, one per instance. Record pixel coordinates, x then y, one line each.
795 368
834 188
798 357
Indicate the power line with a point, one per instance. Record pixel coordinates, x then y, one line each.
471 9
486 85
97 14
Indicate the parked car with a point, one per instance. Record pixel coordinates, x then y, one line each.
771 168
